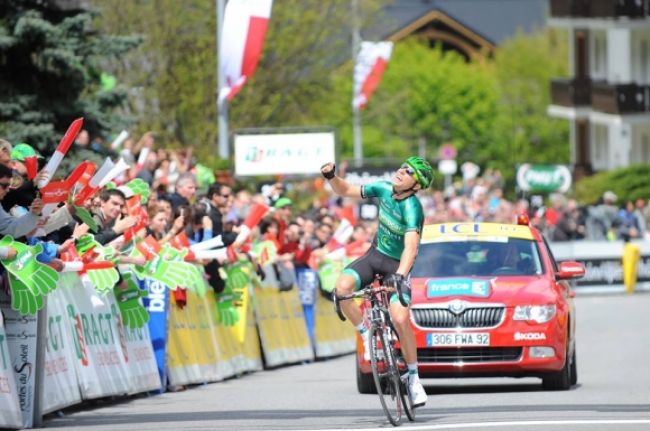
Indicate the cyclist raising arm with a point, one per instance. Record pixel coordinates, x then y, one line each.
392 253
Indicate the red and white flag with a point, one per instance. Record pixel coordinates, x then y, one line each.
242 38
371 62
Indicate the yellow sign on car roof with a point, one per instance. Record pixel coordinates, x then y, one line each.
435 232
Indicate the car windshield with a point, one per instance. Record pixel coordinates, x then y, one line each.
497 256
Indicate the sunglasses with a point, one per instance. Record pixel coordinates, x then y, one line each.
409 170
227 195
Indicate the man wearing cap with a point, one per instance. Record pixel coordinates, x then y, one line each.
23 191
282 216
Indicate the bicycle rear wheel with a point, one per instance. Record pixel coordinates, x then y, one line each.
386 374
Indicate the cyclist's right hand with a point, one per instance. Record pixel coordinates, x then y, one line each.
328 170
401 286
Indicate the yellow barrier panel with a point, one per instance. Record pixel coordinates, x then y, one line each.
281 327
333 336
201 350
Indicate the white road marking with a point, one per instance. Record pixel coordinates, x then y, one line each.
467 425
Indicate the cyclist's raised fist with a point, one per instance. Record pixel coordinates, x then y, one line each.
328 170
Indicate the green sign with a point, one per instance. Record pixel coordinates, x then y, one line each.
544 178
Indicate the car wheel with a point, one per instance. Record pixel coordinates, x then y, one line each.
574 368
365 382
560 381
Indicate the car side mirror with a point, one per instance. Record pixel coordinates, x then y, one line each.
570 270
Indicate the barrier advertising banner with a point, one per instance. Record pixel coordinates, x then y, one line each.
21 342
10 415
60 387
140 361
99 341
333 336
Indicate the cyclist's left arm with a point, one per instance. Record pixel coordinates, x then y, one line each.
411 243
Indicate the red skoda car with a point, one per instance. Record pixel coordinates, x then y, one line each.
489 299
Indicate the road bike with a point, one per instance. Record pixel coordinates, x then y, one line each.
386 360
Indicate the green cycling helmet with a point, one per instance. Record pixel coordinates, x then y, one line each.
422 169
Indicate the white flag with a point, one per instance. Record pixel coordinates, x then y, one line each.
371 62
242 38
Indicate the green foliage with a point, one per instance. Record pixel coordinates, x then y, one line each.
524 66
628 184
51 62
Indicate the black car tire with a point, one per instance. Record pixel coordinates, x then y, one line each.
365 382
560 381
574 368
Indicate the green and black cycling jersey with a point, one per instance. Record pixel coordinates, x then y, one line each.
396 217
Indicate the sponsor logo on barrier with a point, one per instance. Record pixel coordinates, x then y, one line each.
23 368
156 296
79 340
519 336
54 333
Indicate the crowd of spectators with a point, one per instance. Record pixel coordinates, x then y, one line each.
182 200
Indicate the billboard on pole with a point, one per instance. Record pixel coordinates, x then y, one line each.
300 153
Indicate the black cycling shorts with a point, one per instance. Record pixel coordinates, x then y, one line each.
373 262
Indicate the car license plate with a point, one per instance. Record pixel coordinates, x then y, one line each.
459 339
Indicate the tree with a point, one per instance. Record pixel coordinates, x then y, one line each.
524 66
174 71
51 65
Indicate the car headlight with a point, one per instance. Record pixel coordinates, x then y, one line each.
534 313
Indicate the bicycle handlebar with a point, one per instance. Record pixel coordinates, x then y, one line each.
366 292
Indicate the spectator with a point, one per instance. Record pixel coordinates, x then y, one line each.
16 226
603 218
109 218
629 225
184 192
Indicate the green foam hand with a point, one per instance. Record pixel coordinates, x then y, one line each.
85 216
237 276
193 278
40 279
22 299
103 280
226 311
139 187
134 315
160 270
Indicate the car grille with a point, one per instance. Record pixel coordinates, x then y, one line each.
478 317
469 354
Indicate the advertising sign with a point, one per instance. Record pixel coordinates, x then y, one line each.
21 342
544 178
10 415
283 153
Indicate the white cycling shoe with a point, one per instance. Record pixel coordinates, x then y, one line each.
417 392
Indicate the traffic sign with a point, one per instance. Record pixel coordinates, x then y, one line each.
447 152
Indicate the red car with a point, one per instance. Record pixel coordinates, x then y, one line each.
489 299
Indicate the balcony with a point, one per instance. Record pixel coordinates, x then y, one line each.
599 8
569 8
618 98
571 92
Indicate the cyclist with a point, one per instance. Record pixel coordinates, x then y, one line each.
392 253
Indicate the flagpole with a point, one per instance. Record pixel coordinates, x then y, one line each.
356 119
222 108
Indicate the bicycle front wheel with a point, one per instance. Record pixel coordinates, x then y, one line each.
386 373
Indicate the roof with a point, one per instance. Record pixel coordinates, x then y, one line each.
494 20
464 230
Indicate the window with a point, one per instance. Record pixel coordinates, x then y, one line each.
599 55
600 146
473 257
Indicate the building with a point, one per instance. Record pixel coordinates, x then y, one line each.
471 27
607 97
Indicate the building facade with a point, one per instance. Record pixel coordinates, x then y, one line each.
607 97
